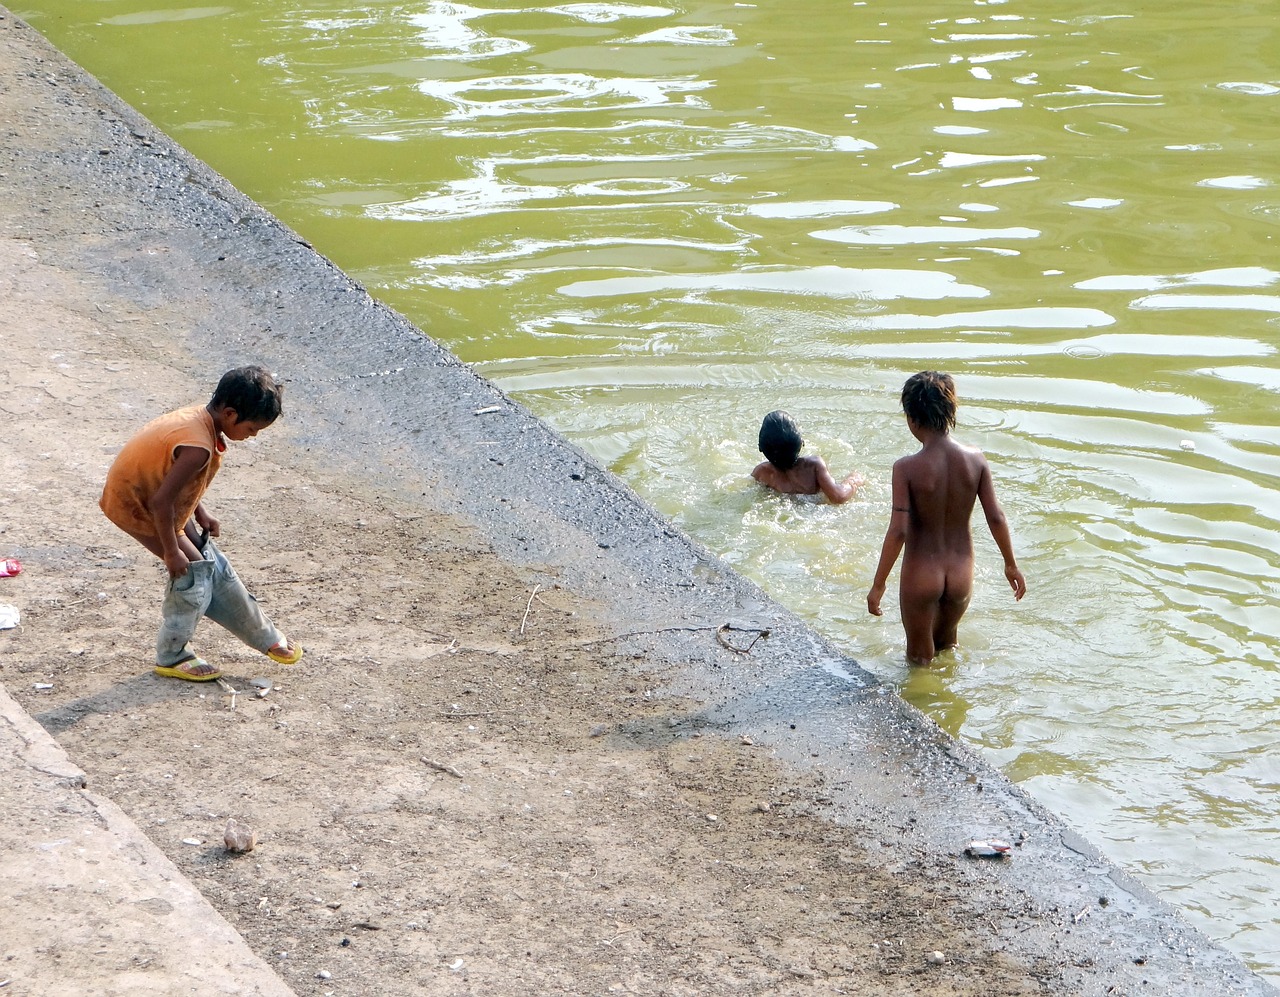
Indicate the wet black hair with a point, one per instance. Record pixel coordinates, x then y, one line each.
252 392
780 440
929 399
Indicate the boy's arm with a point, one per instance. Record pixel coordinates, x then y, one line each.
895 536
187 463
207 522
999 527
837 492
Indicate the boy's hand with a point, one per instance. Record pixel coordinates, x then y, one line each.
873 600
1016 582
177 563
207 522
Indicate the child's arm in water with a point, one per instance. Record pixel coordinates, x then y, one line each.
837 492
895 536
999 527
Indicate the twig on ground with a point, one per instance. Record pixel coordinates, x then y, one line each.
262 582
759 635
230 690
442 767
528 606
59 604
610 941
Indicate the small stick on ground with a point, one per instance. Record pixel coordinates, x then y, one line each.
442 767
720 632
287 581
230 690
528 606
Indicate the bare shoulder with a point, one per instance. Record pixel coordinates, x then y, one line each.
903 465
766 474
974 454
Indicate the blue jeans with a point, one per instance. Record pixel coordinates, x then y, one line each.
210 588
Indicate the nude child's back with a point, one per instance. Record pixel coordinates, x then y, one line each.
942 482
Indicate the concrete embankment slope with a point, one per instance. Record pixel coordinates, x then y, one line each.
92 189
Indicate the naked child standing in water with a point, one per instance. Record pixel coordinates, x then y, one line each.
934 492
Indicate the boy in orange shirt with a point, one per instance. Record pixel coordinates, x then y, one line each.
934 492
153 492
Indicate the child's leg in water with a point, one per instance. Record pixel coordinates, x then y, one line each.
947 623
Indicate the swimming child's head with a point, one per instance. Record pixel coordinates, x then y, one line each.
252 392
929 399
780 440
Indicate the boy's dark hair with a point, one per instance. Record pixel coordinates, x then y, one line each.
780 440
929 399
252 392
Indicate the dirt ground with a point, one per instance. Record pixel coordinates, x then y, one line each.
460 789
466 786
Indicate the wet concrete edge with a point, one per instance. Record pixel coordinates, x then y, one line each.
370 392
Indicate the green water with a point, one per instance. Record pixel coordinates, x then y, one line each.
653 223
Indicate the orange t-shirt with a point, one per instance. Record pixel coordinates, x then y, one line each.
144 461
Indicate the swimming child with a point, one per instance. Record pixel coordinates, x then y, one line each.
933 496
153 492
786 471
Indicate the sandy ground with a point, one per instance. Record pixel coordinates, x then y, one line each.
460 790
468 786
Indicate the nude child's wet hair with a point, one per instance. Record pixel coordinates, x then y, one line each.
780 440
929 399
252 392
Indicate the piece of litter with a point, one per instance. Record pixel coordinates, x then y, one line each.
487 409
192 841
9 567
1188 444
9 616
456 965
992 848
43 686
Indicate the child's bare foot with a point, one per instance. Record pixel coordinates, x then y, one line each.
192 669
285 653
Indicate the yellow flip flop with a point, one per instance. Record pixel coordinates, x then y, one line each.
191 669
291 657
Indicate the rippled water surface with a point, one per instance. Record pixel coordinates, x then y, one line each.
653 223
